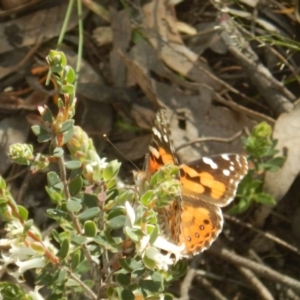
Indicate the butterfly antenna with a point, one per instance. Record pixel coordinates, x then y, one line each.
124 156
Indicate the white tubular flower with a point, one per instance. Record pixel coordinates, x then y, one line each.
35 294
21 253
171 248
162 261
159 243
34 263
14 228
130 220
143 244
103 163
15 253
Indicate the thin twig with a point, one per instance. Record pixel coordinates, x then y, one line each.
211 289
265 234
219 278
274 92
88 290
258 285
6 71
211 139
261 270
187 282
244 110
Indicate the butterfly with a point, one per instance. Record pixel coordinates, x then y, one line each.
194 218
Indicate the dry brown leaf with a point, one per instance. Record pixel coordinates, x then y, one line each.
161 30
103 35
134 148
9 4
38 26
137 72
121 40
142 116
287 132
213 122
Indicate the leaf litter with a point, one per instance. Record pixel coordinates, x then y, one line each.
186 58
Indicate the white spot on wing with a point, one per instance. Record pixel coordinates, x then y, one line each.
210 162
166 138
156 132
225 156
226 172
154 151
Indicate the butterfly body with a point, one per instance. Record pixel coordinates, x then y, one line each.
194 218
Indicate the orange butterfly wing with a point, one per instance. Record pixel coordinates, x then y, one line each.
194 218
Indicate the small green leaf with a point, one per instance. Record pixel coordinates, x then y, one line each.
75 260
147 198
240 207
67 89
68 135
56 196
111 170
53 179
178 270
90 228
62 276
23 212
89 213
264 198
157 277
2 183
123 279
56 214
108 172
134 234
111 183
44 138
149 263
71 283
64 249
78 239
28 224
138 273
83 267
47 115
127 195
125 264
153 234
73 206
117 211
38 130
150 286
168 297
75 173
101 240
56 58
69 74
116 222
75 186
90 200
66 125
111 292
127 295
11 291
58 152
73 164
